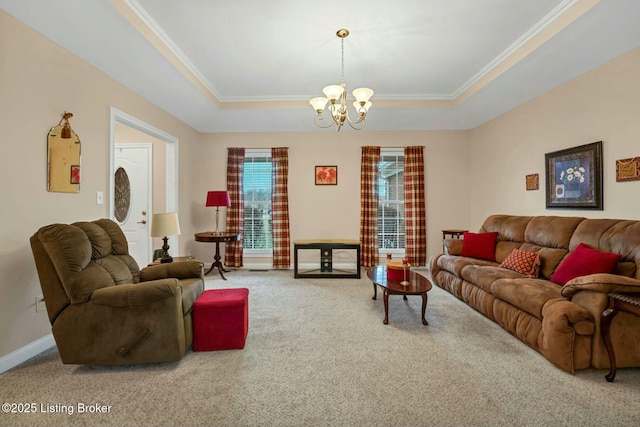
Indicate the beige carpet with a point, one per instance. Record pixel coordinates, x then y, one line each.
318 354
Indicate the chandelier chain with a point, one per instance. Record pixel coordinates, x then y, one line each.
342 42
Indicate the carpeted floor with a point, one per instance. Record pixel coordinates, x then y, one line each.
318 354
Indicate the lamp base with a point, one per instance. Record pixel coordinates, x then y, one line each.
166 258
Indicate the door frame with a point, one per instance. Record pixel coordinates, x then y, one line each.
171 178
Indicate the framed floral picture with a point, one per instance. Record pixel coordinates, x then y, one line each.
326 175
574 177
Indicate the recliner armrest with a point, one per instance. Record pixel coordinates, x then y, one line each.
177 270
136 294
601 282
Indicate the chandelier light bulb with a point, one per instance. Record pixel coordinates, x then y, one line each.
362 94
362 109
333 92
319 103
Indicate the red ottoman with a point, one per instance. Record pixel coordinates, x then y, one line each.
221 319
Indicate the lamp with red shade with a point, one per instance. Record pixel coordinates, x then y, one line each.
218 199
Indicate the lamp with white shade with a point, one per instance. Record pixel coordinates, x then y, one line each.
165 225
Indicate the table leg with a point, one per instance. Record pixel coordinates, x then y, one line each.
385 295
605 324
375 291
424 308
217 263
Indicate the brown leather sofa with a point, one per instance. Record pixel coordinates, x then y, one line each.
102 308
560 322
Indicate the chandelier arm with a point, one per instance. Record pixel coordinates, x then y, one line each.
317 120
362 120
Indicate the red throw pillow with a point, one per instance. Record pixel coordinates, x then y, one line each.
524 262
479 245
582 261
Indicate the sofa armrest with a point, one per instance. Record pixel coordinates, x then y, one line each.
453 246
177 270
136 294
564 314
604 283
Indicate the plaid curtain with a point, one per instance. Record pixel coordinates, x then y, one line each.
280 208
235 212
415 206
369 206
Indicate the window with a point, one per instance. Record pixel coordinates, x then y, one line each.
391 234
256 186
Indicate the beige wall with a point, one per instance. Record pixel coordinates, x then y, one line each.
601 105
38 82
334 211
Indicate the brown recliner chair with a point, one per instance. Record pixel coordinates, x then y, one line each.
104 310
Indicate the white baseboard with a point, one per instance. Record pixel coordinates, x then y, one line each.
258 266
25 353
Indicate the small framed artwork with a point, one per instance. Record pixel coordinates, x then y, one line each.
574 177
628 169
326 175
532 182
75 174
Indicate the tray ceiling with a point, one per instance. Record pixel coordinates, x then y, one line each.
224 66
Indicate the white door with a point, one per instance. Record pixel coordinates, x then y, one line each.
132 201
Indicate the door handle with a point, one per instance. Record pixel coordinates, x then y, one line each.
144 221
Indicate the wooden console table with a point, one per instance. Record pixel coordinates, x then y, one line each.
217 238
629 303
326 248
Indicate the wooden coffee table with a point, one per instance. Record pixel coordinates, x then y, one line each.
418 285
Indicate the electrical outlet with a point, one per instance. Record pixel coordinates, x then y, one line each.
99 197
40 307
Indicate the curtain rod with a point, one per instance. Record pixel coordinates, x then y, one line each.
392 146
254 148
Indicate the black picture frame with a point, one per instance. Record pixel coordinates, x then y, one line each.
574 177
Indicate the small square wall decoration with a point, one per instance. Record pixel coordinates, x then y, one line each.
326 175
628 169
532 182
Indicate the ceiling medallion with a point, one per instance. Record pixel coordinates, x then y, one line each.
336 95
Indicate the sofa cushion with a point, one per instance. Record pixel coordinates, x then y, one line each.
583 261
484 275
480 245
551 231
524 262
454 264
529 295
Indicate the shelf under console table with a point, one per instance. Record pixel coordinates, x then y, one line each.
326 258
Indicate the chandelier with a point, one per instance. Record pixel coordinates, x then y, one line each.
336 95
